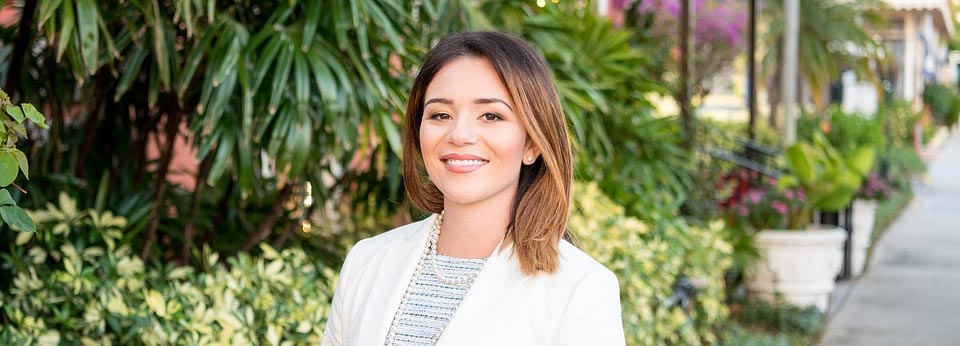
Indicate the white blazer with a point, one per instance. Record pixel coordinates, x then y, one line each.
579 304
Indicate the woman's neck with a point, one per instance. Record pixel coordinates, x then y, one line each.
472 231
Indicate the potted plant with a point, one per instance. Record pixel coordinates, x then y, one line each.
799 261
873 189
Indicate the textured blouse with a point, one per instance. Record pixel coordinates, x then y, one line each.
431 302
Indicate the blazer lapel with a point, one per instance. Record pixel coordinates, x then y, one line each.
499 279
396 266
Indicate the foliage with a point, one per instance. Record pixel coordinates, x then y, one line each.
902 163
763 324
602 80
273 96
717 139
95 292
888 210
649 259
13 161
828 178
833 36
717 37
767 206
740 336
847 132
943 102
899 120
783 317
875 187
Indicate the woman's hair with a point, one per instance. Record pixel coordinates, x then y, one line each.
541 206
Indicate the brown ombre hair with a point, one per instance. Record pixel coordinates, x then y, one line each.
542 203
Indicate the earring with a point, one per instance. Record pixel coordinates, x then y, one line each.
529 159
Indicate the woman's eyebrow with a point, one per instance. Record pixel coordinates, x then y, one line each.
484 101
480 101
438 100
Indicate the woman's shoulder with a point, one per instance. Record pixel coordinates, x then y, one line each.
576 264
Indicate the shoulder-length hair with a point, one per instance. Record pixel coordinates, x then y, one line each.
541 206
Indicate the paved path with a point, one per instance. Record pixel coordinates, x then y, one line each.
910 295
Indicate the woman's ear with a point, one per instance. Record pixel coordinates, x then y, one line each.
531 154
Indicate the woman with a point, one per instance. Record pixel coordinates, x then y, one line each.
485 149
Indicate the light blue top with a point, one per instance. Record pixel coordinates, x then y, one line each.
432 302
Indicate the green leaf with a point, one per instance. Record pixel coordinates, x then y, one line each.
131 70
196 56
17 219
16 113
66 28
799 163
160 50
279 85
89 34
393 135
34 115
47 7
221 160
862 161
8 168
22 161
5 198
310 24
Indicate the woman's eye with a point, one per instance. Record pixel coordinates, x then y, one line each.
491 116
440 116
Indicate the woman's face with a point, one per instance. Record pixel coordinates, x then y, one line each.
472 141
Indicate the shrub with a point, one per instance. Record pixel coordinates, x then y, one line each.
899 120
847 132
782 317
941 99
649 260
96 293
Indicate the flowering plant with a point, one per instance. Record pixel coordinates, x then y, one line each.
875 187
764 206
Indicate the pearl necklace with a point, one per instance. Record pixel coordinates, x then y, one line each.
429 252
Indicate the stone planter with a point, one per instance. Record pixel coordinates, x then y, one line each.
799 266
864 214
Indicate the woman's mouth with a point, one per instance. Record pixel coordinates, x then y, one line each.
463 165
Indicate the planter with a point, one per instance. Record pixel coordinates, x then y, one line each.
864 214
798 266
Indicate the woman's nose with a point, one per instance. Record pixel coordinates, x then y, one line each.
461 132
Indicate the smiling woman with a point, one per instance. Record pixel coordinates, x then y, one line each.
485 149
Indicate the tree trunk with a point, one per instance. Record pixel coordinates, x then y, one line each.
21 44
266 225
773 97
188 230
102 89
171 130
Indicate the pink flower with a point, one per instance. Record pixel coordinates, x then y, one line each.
779 207
743 211
788 193
755 196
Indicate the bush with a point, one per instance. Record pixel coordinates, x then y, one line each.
763 324
80 284
846 132
96 293
649 260
782 317
942 101
899 119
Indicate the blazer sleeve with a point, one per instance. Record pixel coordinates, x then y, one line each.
333 333
592 316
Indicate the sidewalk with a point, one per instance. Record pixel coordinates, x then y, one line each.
910 295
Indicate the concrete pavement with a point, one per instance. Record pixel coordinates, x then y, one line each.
910 294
